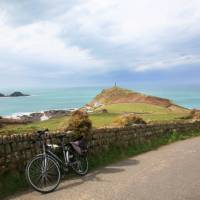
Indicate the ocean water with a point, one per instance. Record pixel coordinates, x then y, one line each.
75 97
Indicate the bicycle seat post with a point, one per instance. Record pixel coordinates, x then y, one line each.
62 142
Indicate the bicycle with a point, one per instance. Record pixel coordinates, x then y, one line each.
43 172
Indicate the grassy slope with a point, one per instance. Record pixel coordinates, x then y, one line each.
52 124
147 111
102 119
135 107
98 120
150 112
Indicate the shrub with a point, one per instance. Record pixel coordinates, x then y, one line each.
193 112
194 115
103 110
128 120
80 123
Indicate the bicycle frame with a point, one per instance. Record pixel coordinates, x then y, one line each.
46 151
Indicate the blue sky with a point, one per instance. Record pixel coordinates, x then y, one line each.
47 43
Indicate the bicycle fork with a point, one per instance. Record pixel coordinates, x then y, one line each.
44 161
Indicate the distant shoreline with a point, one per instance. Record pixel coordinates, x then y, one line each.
41 115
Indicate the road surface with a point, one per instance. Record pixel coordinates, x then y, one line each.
169 173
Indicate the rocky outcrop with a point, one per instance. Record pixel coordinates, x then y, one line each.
14 94
31 117
18 94
41 116
57 113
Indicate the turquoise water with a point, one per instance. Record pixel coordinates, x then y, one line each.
46 99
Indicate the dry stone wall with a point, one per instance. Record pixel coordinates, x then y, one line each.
16 149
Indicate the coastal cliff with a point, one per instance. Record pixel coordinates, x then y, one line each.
117 95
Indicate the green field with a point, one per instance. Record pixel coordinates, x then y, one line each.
146 111
134 107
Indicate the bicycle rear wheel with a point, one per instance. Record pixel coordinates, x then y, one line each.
43 174
79 163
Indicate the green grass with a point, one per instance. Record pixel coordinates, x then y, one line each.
98 120
12 182
102 119
162 117
135 107
51 124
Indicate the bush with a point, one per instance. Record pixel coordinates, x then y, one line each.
192 112
80 123
128 120
194 115
103 110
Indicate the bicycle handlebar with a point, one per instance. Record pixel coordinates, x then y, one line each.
42 132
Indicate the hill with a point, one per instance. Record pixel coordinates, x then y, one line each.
14 94
117 95
18 94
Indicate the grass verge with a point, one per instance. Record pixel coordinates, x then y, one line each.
11 182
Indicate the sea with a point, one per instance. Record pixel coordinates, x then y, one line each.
76 97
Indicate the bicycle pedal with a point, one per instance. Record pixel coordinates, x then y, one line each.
66 169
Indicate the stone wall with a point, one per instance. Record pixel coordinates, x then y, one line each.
16 150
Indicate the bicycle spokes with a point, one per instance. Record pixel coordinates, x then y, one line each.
43 174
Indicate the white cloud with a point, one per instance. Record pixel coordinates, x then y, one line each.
147 27
139 35
167 63
130 20
41 43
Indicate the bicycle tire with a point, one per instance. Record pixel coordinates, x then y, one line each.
54 166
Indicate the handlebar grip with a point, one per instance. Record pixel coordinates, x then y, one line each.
42 132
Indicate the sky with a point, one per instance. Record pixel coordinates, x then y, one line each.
48 43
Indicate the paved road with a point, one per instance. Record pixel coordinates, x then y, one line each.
170 173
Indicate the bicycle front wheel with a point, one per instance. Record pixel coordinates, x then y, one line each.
43 174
